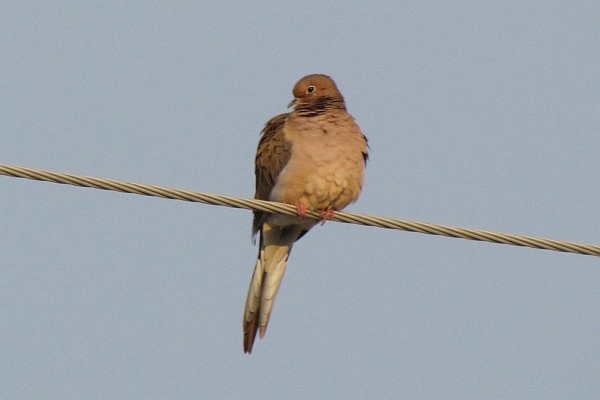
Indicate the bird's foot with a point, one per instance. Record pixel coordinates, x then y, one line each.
326 215
301 210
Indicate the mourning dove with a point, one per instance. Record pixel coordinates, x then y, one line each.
313 157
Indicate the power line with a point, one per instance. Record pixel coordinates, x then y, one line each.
281 208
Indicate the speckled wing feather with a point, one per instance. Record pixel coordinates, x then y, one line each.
272 155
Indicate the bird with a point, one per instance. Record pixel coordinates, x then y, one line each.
313 157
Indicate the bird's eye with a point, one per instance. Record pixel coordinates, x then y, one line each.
310 89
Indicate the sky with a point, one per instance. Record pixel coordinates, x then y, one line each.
479 114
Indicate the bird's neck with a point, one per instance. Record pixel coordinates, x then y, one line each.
319 106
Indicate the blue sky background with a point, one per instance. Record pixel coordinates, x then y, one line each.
479 114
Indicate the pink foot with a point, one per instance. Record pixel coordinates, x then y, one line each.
327 215
301 210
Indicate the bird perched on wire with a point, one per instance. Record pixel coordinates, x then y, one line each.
313 157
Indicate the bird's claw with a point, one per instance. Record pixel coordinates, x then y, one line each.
326 215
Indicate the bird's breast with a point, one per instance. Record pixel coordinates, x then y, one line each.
325 168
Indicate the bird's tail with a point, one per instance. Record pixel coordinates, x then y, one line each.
274 249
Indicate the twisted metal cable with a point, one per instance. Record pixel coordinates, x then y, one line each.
281 208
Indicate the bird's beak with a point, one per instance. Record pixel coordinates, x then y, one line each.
292 104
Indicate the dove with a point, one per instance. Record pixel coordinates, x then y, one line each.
313 157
